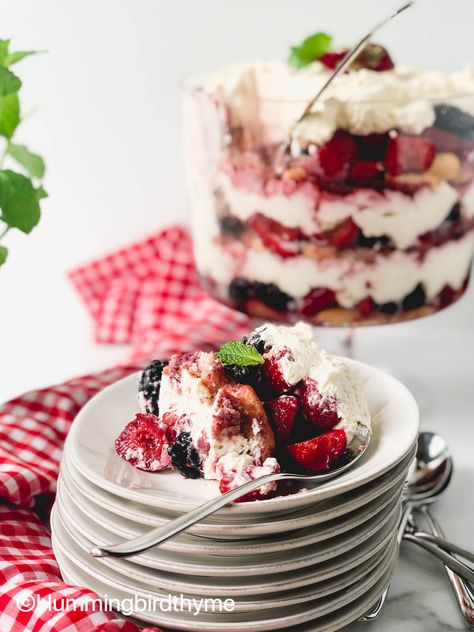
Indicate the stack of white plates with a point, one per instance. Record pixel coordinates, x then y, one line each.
314 560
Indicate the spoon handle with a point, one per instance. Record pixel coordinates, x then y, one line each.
462 590
450 561
444 544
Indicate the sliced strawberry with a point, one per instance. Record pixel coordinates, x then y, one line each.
282 240
338 156
332 60
320 410
282 412
272 371
344 234
317 300
366 306
321 452
409 154
144 443
365 172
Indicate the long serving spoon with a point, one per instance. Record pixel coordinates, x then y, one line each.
343 66
355 449
428 480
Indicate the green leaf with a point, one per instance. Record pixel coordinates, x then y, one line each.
240 354
9 82
3 254
18 201
4 46
41 193
33 163
312 48
9 115
14 58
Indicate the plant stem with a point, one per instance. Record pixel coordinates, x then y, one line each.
4 232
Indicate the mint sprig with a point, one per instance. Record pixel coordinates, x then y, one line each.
240 354
20 191
312 48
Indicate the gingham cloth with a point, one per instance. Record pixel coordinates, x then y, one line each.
146 295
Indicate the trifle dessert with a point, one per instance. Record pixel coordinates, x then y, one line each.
367 214
272 401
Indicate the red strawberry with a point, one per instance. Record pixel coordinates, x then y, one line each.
273 372
344 234
366 306
338 155
365 172
409 154
280 239
282 412
332 60
320 410
317 300
144 443
321 452
374 57
226 484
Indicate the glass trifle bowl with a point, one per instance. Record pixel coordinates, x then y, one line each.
366 218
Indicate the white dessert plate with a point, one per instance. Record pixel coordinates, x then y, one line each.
130 580
257 621
73 503
232 526
239 585
185 563
90 446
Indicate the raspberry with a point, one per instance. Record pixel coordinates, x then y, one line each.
409 154
149 385
144 443
321 452
365 172
282 412
320 410
338 156
332 60
344 234
185 457
366 306
317 300
280 239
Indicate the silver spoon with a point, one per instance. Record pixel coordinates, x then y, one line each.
429 479
343 66
354 451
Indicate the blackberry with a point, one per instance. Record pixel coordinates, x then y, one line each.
244 374
454 120
240 289
231 226
370 242
455 214
185 457
388 308
415 299
271 295
256 342
149 385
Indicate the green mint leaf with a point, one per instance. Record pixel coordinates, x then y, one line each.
18 201
312 48
33 163
41 193
9 82
240 354
14 58
4 46
9 115
3 255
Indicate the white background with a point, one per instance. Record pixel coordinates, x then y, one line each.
104 105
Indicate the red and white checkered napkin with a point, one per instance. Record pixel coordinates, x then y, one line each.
147 295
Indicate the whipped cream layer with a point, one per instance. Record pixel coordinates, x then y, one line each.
267 98
334 378
394 214
390 277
